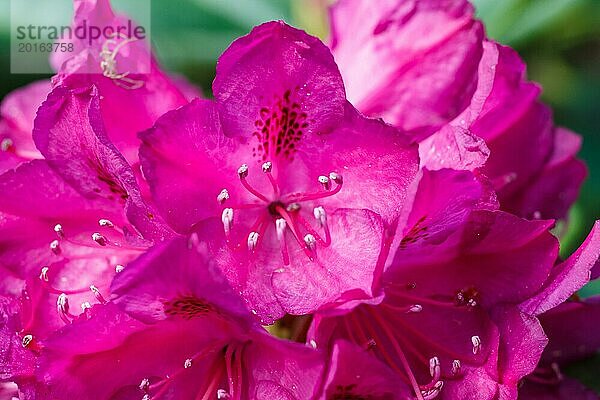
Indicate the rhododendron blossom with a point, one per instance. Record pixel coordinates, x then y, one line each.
282 242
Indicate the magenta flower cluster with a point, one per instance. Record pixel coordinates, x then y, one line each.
370 218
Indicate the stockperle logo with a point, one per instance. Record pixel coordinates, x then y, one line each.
44 37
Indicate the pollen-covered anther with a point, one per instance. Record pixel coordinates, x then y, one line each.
97 294
243 171
105 223
223 196
292 207
267 167
85 306
55 247
44 274
320 215
476 341
227 219
432 393
62 307
222 394
324 181
144 385
435 368
310 241
27 339
415 308
119 268
6 144
337 178
59 231
99 238
456 367
188 363
280 226
252 240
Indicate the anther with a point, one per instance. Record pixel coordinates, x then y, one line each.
435 368
324 181
320 215
44 274
227 219
6 144
292 207
85 306
222 394
188 363
313 343
310 241
55 247
267 167
97 294
119 268
280 226
476 341
415 308
105 223
433 393
337 178
27 339
243 171
144 385
223 196
252 240
456 367
59 231
99 238
62 303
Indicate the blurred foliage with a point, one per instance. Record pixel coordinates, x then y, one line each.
559 40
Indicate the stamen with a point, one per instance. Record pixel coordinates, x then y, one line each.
97 294
105 223
320 215
456 367
267 167
293 207
6 144
119 268
324 181
59 231
223 196
85 306
310 241
252 240
435 369
433 393
26 341
188 363
227 219
44 274
99 238
144 385
62 306
337 178
476 341
243 174
222 394
415 308
243 171
109 63
55 247
280 226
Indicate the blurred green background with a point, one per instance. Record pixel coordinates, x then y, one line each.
559 40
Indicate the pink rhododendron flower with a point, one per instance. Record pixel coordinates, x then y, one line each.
279 158
58 255
449 321
193 338
129 104
426 67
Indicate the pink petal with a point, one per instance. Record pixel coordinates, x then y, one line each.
428 50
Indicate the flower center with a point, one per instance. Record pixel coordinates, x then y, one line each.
284 212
